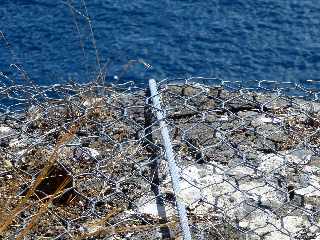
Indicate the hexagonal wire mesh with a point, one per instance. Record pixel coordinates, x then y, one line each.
87 161
249 157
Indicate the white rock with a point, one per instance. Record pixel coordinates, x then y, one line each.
277 162
91 102
7 164
93 228
309 191
149 206
20 155
195 181
220 191
5 131
314 228
85 153
294 224
205 183
237 200
241 171
260 222
34 113
276 234
190 194
265 223
93 152
311 169
263 193
224 118
271 162
261 120
298 156
310 186
17 143
309 106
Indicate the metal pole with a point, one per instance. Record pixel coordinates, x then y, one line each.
174 172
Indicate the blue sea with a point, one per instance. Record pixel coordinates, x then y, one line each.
236 40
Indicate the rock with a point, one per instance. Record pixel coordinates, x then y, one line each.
309 106
241 171
259 222
263 194
293 224
312 187
7 164
20 156
278 162
224 118
311 169
6 131
148 205
209 184
85 153
263 223
34 113
298 156
18 143
248 114
261 120
193 90
271 163
90 102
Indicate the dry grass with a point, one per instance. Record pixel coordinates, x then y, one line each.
66 137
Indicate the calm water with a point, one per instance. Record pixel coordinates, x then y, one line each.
229 39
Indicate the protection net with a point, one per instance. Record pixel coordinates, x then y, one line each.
87 161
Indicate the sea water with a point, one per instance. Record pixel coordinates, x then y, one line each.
228 39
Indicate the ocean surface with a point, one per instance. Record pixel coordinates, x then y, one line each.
229 39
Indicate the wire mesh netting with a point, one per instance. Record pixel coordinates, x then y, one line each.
88 162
